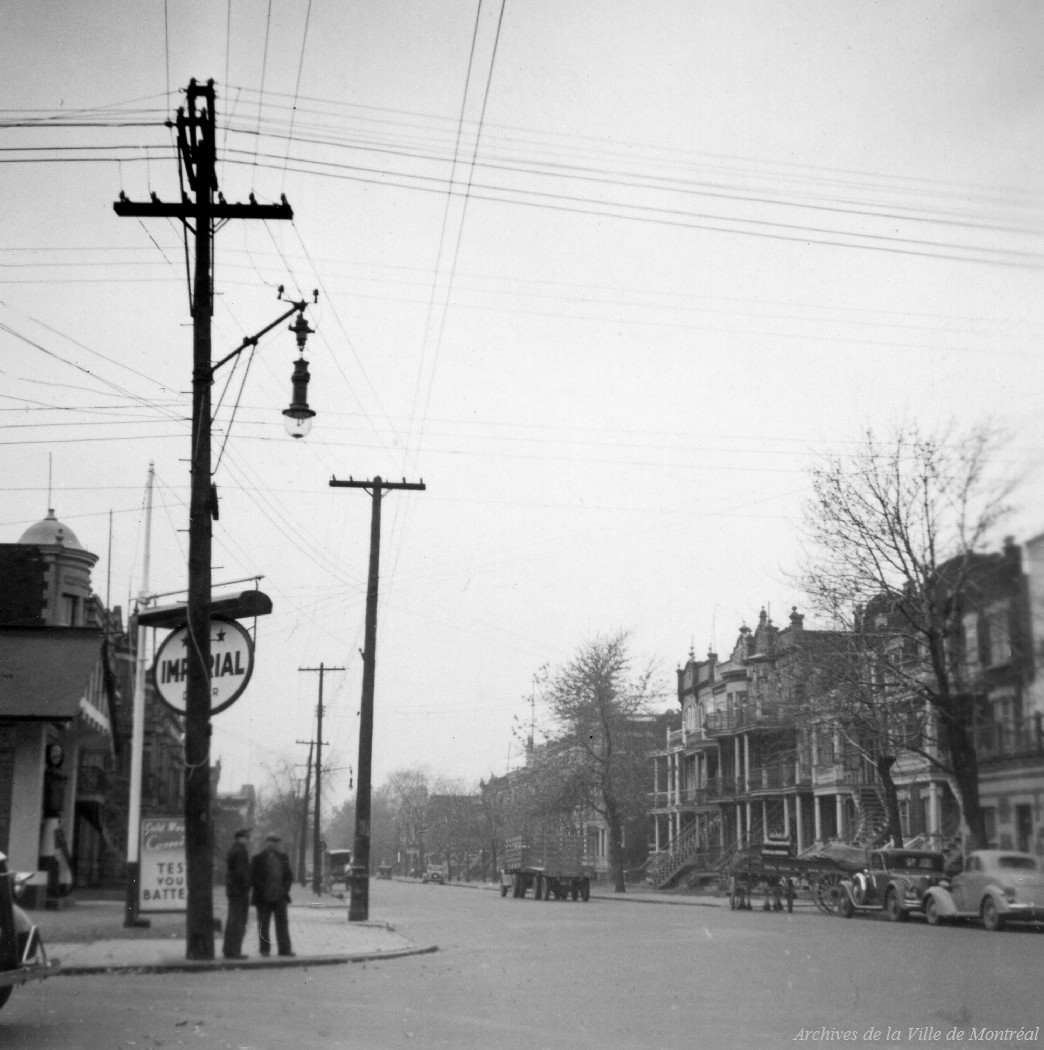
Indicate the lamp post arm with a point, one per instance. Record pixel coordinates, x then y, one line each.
252 340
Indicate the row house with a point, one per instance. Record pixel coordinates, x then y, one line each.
1003 647
748 765
757 761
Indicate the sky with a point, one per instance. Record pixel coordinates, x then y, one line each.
608 277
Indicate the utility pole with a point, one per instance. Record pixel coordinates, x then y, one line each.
196 138
304 815
317 845
130 914
359 904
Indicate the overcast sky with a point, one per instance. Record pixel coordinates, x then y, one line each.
607 276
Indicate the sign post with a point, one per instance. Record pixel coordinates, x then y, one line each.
163 880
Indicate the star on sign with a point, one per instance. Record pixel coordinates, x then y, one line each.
221 636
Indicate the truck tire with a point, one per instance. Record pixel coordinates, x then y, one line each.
538 886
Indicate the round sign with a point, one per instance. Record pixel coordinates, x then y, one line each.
231 665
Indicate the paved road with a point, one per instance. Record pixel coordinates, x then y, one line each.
555 974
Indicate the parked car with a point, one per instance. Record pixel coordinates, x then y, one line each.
996 886
340 861
434 874
22 954
895 882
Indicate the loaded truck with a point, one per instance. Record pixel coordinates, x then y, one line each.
552 865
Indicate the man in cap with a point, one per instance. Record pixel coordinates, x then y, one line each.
237 889
272 878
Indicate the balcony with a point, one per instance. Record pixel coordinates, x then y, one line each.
689 796
849 773
716 723
999 742
721 788
779 775
752 715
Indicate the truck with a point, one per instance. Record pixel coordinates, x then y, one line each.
552 864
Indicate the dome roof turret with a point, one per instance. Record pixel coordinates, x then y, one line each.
50 533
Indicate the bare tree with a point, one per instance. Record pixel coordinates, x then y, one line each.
408 797
598 757
897 530
280 805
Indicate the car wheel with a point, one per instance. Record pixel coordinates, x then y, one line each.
845 906
931 912
894 907
991 917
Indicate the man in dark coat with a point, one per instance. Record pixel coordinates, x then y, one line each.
237 889
272 878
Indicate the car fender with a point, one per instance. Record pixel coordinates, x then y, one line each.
998 898
944 902
858 888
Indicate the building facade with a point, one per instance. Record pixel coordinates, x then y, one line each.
66 688
753 762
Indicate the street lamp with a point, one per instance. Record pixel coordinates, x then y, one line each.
298 417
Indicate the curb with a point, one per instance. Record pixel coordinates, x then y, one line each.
208 965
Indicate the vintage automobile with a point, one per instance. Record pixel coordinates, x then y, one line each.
435 873
895 882
997 886
340 866
22 954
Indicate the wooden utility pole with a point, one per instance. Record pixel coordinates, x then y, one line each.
196 137
359 904
304 815
317 844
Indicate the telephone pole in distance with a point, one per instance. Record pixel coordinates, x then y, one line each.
317 845
359 904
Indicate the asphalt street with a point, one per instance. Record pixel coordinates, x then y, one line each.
609 973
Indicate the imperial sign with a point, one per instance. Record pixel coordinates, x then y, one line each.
231 665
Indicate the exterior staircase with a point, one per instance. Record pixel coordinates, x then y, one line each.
872 828
690 849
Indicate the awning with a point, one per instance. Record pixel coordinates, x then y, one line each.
243 606
44 671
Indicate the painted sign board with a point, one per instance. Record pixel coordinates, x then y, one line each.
231 665
163 876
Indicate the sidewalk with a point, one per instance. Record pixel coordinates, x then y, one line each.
89 937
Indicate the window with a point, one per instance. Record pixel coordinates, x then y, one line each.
971 642
690 718
70 610
998 634
1017 863
989 820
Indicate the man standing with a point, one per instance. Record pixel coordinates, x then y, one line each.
272 878
237 889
